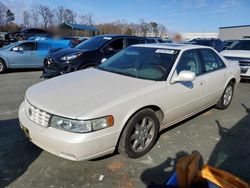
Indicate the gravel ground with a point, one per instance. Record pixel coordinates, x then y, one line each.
222 137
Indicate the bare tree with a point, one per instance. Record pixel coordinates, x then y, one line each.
26 19
35 14
69 16
154 29
87 19
46 14
3 9
65 15
162 30
60 14
10 16
144 27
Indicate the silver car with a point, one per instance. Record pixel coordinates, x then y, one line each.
126 101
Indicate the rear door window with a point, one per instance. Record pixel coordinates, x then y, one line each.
211 60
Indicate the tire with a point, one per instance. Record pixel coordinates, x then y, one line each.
136 140
2 66
226 97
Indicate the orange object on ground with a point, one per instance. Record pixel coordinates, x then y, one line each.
222 178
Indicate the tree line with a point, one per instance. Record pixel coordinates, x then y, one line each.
43 16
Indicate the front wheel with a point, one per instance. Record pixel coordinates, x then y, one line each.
140 134
2 66
226 97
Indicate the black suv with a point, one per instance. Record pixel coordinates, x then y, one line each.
215 43
87 54
25 34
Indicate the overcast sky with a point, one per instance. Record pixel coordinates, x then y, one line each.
176 15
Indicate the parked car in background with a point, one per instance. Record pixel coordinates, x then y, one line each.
167 40
125 102
87 54
26 33
227 43
215 43
2 40
28 54
240 51
154 40
75 40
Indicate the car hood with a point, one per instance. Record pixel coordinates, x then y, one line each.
236 53
77 93
66 51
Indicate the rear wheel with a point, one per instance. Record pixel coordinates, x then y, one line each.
140 134
226 97
2 66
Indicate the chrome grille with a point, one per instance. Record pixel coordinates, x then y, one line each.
37 115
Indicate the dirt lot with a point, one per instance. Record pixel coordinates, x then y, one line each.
222 137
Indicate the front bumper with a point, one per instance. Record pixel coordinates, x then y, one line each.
72 146
52 68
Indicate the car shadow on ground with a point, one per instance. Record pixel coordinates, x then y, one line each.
21 70
232 154
13 146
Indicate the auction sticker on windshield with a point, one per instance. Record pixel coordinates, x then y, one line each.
164 51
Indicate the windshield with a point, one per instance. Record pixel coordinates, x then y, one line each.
240 45
141 62
93 43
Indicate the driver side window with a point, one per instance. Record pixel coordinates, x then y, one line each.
189 61
115 45
28 46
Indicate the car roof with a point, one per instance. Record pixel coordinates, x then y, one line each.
174 46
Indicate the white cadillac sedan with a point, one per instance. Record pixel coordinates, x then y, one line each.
124 103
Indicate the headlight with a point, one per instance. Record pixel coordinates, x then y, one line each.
81 126
70 57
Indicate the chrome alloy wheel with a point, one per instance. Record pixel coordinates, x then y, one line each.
142 135
1 67
228 95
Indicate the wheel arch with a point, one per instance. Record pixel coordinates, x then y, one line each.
4 61
87 64
158 111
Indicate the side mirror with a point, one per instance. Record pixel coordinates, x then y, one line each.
103 60
184 76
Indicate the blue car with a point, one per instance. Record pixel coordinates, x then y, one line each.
28 54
